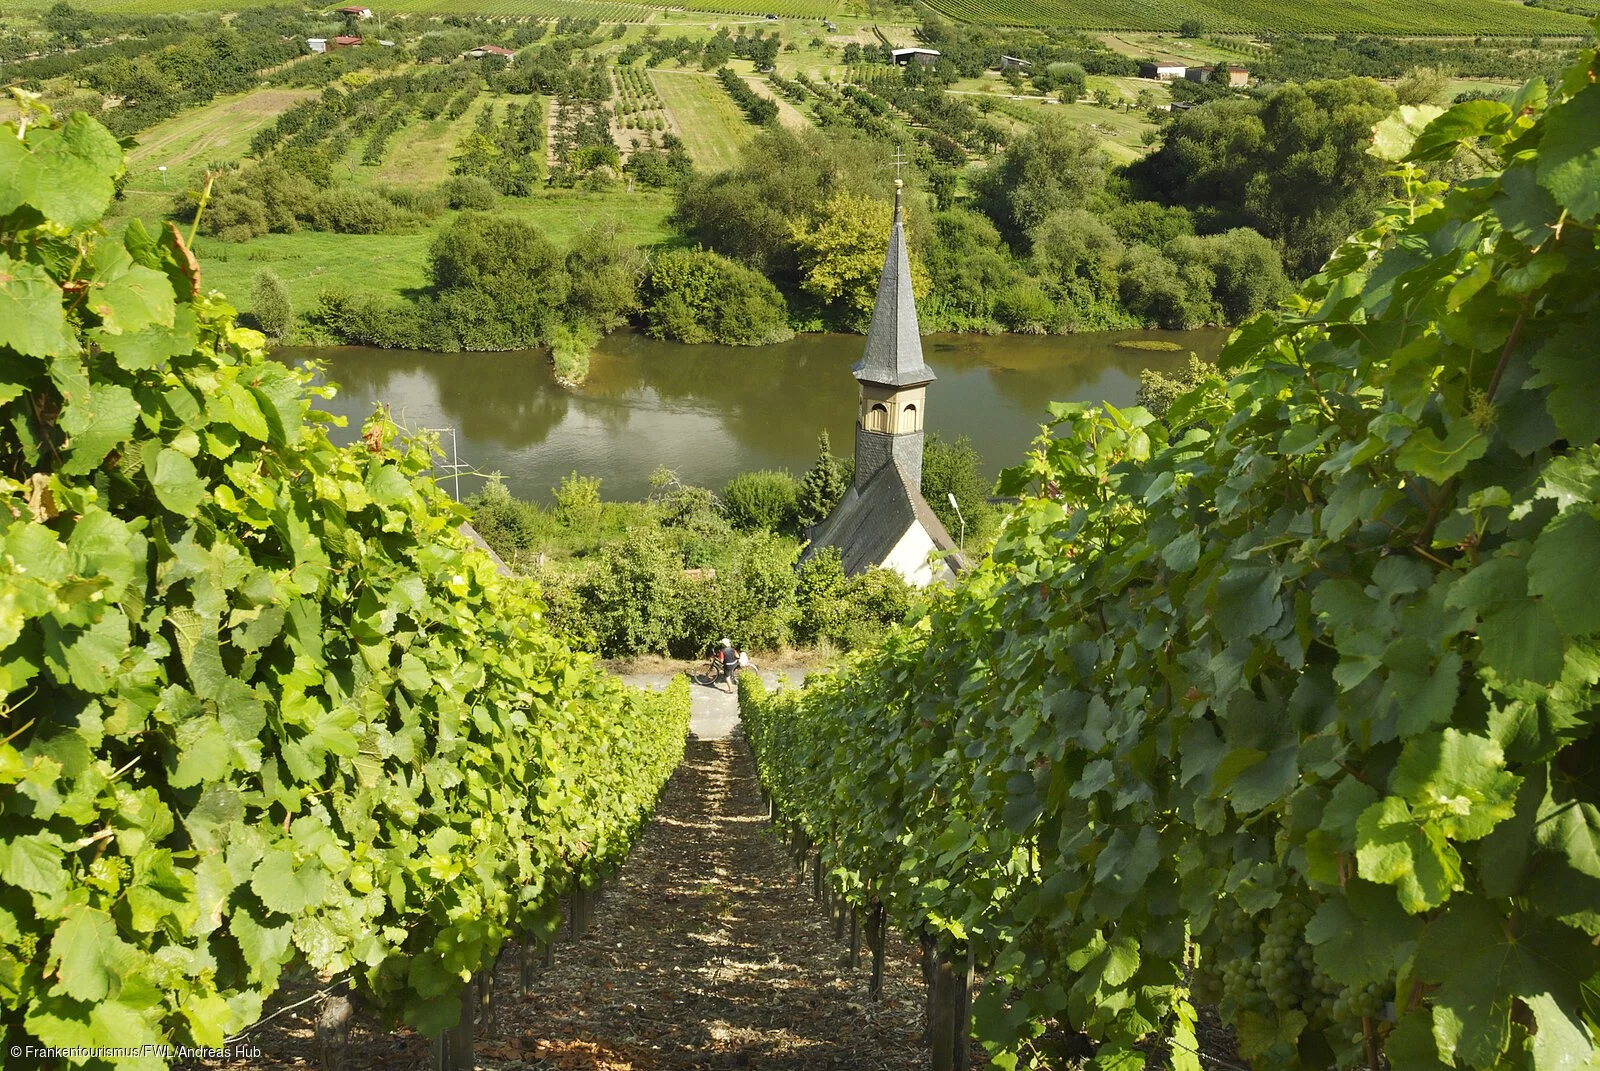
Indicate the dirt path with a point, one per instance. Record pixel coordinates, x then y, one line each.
706 954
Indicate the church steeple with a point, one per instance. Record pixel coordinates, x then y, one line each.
892 373
893 356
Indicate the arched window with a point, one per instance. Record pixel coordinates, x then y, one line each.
908 418
878 417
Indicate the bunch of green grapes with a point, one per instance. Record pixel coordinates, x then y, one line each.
1285 964
1352 1005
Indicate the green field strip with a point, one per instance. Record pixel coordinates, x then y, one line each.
711 125
1422 17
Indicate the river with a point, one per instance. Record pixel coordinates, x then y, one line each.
709 412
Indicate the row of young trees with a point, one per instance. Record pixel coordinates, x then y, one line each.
1285 703
266 710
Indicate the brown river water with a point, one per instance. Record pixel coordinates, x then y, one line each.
709 412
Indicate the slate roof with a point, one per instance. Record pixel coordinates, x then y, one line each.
867 523
893 356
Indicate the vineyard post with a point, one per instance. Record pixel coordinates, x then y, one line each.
838 917
524 966
486 993
816 878
964 1011
855 937
875 938
333 1033
944 1002
930 989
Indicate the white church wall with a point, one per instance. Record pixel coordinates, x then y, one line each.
910 558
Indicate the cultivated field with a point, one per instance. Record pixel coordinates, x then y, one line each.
1421 17
711 125
1324 16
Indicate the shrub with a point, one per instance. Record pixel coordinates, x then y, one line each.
633 596
697 296
763 499
471 192
578 500
366 319
270 305
1025 308
353 211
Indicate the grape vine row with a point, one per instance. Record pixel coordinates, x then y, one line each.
1287 702
265 707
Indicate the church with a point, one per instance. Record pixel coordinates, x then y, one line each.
883 521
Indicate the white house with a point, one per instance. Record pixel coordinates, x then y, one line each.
883 521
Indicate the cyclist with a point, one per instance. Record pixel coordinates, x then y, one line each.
727 661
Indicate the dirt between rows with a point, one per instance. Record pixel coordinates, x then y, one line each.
705 953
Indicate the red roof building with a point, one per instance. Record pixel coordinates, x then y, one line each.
344 40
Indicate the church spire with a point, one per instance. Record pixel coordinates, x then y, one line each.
893 354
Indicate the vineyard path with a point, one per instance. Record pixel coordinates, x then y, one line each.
705 952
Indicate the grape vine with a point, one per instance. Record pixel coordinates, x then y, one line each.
264 705
1286 704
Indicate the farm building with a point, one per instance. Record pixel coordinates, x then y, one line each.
1010 62
317 44
925 56
1236 76
1165 72
345 40
489 50
883 522
356 12
1198 74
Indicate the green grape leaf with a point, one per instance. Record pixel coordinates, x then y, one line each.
1394 848
1522 642
1564 570
1458 780
1566 366
176 483
66 172
32 319
1482 964
265 948
1569 154
1438 459
128 297
1393 137
35 863
1247 602
97 425
1361 937
1466 121
283 887
78 953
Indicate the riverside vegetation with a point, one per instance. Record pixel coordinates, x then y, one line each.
672 574
1285 703
265 710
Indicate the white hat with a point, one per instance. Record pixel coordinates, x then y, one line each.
726 642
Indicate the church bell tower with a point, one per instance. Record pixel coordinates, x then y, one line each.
892 375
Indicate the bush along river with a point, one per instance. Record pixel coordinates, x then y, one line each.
710 412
